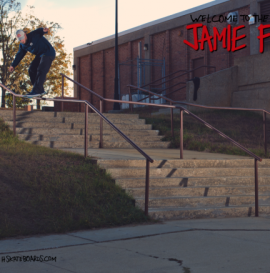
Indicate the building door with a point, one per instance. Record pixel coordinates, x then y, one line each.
195 64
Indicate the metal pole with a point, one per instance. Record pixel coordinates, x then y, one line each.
256 189
181 134
131 105
14 115
146 188
172 127
62 103
264 133
86 132
130 98
116 105
101 126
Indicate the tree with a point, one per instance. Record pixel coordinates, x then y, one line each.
19 80
20 102
7 7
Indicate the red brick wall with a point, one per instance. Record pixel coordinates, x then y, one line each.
246 40
96 71
97 77
124 70
109 77
84 79
222 58
135 49
178 61
158 52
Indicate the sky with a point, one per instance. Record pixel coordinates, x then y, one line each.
84 21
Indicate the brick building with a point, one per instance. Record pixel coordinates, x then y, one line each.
162 51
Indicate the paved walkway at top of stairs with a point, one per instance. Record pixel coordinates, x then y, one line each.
156 154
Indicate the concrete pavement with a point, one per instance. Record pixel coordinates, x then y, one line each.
192 246
154 153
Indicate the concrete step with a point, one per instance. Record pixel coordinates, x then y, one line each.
185 172
4 113
182 163
69 120
91 137
203 202
94 126
95 144
192 181
210 212
94 131
198 191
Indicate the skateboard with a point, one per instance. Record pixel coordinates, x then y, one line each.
36 95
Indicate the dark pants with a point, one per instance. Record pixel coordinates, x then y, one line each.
38 70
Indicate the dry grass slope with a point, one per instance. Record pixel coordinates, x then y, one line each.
48 191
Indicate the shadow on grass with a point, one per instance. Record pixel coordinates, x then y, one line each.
49 191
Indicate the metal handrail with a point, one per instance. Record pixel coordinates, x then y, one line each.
207 124
256 158
88 104
164 95
210 107
186 72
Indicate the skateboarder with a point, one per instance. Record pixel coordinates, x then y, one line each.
35 43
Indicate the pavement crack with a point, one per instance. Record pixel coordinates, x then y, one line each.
175 260
180 262
72 235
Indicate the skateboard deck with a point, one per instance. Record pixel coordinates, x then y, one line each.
32 97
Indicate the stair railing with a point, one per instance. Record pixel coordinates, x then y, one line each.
256 158
153 83
87 105
264 112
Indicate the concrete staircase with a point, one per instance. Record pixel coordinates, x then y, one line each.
187 189
179 189
66 130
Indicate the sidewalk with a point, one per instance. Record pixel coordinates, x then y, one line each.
154 153
227 245
231 245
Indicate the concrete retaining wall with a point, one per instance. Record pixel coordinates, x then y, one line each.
253 82
247 84
215 89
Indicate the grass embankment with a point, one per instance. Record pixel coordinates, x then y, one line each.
242 126
49 191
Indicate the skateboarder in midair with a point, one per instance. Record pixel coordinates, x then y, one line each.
35 43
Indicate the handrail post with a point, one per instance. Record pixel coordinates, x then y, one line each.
264 133
256 189
101 126
62 103
86 131
172 127
14 115
146 188
130 98
181 134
